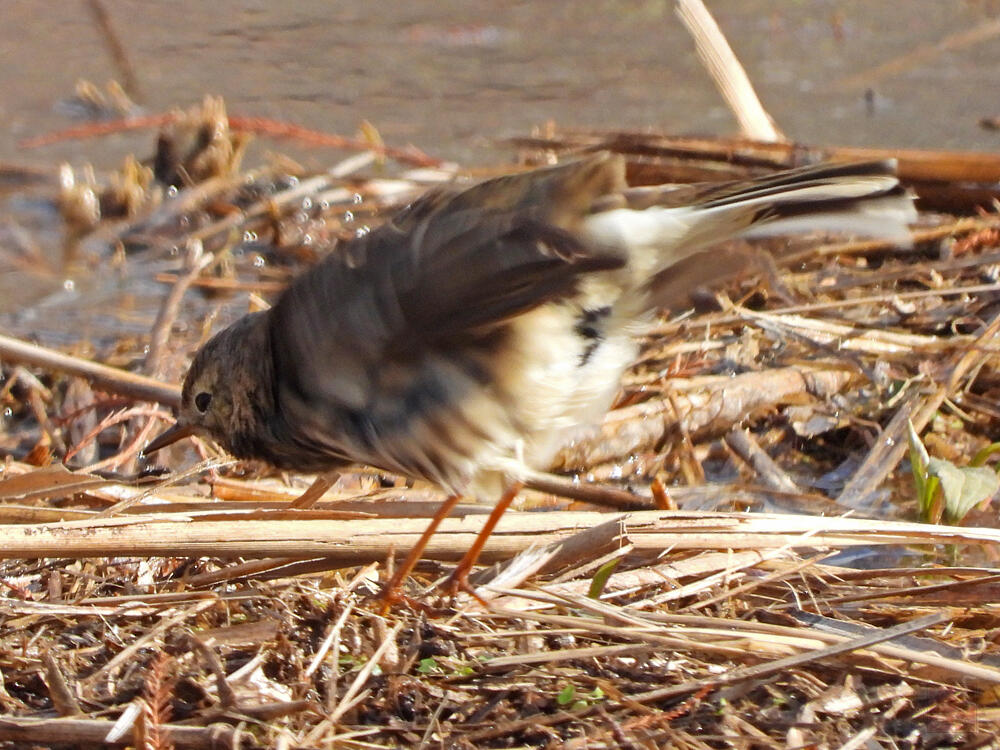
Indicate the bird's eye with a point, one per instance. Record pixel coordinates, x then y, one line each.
202 400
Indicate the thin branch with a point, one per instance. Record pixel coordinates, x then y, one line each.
103 377
195 260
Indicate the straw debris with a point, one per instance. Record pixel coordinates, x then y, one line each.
201 610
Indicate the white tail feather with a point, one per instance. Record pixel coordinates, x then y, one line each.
658 237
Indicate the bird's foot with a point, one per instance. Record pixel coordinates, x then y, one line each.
391 595
458 583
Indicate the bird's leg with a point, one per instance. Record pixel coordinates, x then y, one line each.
390 592
316 490
459 578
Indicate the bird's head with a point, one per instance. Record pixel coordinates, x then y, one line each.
227 392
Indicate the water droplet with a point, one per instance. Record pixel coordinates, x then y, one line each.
358 199
249 236
348 216
172 191
307 203
258 261
307 239
8 412
69 285
361 232
890 442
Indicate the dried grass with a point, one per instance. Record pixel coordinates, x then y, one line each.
203 611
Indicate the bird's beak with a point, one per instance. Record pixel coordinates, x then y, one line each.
175 433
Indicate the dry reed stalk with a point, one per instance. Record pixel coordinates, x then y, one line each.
726 71
363 540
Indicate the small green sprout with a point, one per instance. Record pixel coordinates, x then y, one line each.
600 579
568 698
429 666
962 488
566 695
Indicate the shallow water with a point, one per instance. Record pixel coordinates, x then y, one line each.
452 77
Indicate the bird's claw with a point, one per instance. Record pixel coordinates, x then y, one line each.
458 583
390 596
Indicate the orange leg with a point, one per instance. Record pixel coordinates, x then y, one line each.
390 592
459 578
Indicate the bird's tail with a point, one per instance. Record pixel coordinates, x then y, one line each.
661 228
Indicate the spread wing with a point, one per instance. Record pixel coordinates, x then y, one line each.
401 321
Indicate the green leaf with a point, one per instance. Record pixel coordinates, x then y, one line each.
980 458
566 695
428 666
918 453
918 465
963 488
925 485
600 579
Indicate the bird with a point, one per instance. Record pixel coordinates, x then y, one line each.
470 336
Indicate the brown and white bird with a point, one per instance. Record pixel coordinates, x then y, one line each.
468 338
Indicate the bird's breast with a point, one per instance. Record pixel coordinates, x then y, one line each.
472 417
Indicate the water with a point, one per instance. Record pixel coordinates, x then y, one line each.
452 77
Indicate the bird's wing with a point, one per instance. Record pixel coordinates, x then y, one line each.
444 273
461 259
457 261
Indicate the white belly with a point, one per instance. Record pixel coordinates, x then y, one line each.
555 383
